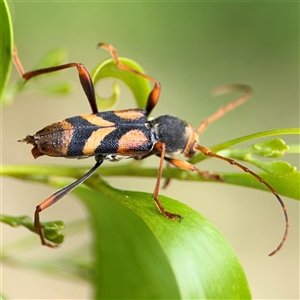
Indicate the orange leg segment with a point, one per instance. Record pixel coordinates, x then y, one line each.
154 94
162 149
184 165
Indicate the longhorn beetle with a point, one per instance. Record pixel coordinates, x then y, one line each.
114 135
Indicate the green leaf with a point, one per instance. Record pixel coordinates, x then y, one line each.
135 246
52 229
139 86
277 168
283 177
288 185
271 148
263 134
6 38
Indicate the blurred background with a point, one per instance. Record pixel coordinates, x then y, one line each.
190 48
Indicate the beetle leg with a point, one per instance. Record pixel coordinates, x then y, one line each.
54 198
154 94
162 149
184 165
232 105
84 76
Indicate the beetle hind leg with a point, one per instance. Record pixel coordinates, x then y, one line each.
54 198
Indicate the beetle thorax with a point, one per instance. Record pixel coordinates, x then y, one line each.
173 132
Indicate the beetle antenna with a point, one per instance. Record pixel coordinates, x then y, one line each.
222 90
208 152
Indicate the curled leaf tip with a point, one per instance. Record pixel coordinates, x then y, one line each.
105 103
139 86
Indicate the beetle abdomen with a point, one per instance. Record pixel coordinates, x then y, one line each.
53 140
118 133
